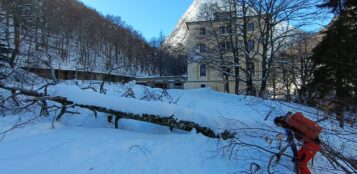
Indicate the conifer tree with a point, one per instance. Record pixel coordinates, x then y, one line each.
335 58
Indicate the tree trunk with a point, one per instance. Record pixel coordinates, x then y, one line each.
267 39
274 88
226 82
340 96
16 50
263 84
236 89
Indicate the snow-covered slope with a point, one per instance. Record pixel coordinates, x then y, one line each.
179 34
105 151
82 143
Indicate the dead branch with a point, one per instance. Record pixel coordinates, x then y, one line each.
348 165
2 134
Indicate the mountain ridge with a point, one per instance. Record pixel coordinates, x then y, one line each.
179 34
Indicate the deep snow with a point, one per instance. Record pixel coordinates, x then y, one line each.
85 144
99 150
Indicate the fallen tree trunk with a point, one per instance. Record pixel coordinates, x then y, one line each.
168 121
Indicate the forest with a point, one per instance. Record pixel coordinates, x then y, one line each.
65 34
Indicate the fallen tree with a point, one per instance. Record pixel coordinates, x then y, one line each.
337 160
168 121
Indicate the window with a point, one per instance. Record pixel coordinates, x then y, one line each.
229 29
203 31
227 71
251 45
203 85
225 29
63 53
222 16
251 67
177 84
222 29
225 15
202 48
203 70
250 27
225 46
27 12
240 44
240 27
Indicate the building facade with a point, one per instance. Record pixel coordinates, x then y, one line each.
217 49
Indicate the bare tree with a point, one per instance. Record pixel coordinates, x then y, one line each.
64 33
225 47
294 68
244 34
278 21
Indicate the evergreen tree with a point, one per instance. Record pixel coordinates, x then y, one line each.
336 6
335 58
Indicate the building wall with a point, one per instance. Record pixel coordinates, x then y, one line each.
215 85
214 78
78 75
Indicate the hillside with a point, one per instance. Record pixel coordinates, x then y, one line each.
81 142
180 33
67 35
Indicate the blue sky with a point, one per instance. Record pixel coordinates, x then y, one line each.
149 17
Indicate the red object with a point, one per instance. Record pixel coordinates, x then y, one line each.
307 127
305 154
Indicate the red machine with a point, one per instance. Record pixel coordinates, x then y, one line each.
307 127
310 132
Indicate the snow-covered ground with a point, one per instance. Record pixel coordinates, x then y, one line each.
99 150
82 143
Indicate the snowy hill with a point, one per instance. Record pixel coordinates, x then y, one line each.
82 143
73 37
179 34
